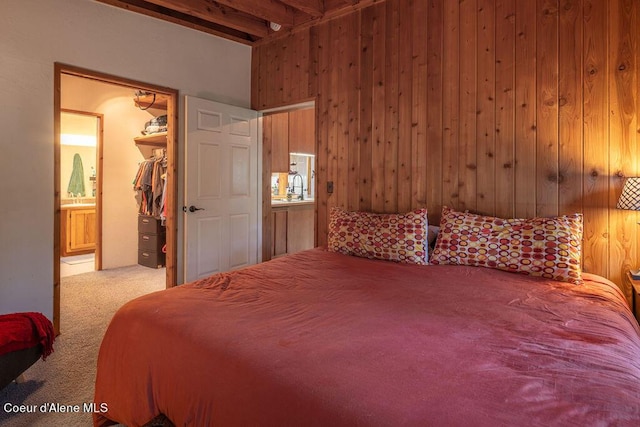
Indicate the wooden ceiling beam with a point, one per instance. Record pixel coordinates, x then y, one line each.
334 9
245 21
269 10
215 12
338 4
315 8
169 15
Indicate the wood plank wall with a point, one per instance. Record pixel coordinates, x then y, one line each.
502 107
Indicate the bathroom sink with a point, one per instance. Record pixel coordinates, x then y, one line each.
78 202
290 202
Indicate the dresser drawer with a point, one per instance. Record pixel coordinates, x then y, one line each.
151 242
151 259
149 224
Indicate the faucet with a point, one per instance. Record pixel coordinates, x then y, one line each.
293 186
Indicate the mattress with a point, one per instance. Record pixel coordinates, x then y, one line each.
320 338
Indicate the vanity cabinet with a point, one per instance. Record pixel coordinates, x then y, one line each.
77 230
278 232
300 228
292 228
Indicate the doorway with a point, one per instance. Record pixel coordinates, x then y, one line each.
289 221
81 135
169 97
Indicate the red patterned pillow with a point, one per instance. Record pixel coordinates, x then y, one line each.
547 247
394 237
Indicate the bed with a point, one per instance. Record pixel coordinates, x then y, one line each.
322 338
24 338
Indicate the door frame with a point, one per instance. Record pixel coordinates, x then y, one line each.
267 219
99 137
172 170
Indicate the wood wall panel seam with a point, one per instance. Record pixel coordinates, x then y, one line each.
622 125
486 125
468 106
503 142
547 108
596 162
525 117
416 123
405 102
365 113
450 105
378 109
392 84
435 125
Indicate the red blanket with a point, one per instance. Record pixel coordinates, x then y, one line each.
24 330
323 339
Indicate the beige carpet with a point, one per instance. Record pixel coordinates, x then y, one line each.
88 301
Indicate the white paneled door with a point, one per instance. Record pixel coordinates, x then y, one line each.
221 188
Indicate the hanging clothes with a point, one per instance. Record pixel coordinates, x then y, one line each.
76 182
149 182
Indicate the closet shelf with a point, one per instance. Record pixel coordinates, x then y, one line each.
155 139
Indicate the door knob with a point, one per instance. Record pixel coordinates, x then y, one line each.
191 209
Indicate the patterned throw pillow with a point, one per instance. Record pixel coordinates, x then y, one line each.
547 247
394 237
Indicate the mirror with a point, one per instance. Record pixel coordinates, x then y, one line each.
78 141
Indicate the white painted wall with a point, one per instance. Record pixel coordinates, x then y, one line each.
33 35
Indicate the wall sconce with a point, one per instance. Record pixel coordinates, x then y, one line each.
630 200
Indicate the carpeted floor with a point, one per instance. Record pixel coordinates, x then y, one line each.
87 303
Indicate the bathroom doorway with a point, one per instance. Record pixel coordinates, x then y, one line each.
112 172
81 135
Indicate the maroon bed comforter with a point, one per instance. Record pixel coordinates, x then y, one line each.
324 339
